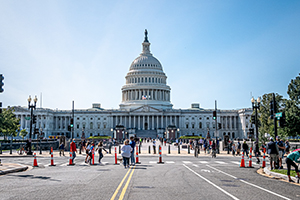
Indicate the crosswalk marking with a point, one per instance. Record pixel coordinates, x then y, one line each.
203 162
220 162
170 162
152 162
235 162
187 162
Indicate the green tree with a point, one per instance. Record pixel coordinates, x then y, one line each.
292 108
23 133
9 123
266 124
294 90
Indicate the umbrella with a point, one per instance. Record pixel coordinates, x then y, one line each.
297 150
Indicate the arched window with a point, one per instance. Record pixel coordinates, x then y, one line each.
155 80
138 79
145 79
200 124
91 125
149 79
152 80
233 136
135 80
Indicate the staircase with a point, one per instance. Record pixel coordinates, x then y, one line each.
146 133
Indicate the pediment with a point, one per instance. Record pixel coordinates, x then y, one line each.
145 108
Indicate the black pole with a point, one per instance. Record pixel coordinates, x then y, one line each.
40 145
169 150
0 148
256 126
139 148
188 149
72 129
10 152
30 130
275 119
178 149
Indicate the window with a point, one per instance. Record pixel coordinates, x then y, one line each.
192 118
91 125
77 134
193 125
187 118
149 79
187 126
207 125
104 118
145 80
200 118
200 125
138 79
155 80
77 118
99 118
207 118
104 125
91 134
83 118
214 126
142 80
83 126
77 125
91 118
152 80
98 125
135 80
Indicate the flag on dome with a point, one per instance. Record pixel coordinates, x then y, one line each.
144 97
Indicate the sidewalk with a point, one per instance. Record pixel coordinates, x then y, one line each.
6 168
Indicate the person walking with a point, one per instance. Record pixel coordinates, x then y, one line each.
132 144
126 153
273 152
256 152
245 148
62 149
287 147
281 149
239 146
87 150
100 147
233 149
294 156
154 146
73 150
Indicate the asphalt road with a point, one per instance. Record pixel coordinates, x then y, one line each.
180 177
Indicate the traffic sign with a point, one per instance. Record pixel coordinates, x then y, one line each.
278 115
27 118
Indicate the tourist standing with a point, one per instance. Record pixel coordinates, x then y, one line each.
154 146
100 147
273 152
126 153
132 144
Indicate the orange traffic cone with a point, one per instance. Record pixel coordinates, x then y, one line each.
264 159
52 161
242 161
35 161
70 161
250 159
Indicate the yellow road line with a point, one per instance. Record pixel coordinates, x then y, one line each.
126 185
118 188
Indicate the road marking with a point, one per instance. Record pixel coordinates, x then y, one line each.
118 188
152 162
205 170
233 197
203 162
126 185
195 165
170 162
220 162
187 162
250 183
236 162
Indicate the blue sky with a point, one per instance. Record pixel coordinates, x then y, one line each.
210 50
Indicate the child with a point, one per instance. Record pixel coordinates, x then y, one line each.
126 153
100 148
233 149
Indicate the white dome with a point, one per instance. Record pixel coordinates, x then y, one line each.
145 62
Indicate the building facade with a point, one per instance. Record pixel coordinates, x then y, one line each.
145 110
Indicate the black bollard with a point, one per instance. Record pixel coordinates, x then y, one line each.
80 149
119 149
109 149
149 150
139 148
10 146
189 151
178 149
169 149
0 148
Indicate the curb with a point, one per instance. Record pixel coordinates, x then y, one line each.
18 169
282 176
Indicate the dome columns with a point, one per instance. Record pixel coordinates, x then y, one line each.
149 94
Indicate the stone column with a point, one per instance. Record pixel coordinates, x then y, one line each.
139 123
129 125
157 121
143 122
125 121
56 123
162 122
152 122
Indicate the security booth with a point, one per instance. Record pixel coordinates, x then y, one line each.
171 132
119 132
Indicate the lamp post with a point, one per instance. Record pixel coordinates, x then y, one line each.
31 107
255 106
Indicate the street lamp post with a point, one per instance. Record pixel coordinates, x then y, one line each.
255 106
31 107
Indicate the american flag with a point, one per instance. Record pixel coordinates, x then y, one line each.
144 97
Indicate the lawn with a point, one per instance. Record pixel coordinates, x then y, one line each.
284 171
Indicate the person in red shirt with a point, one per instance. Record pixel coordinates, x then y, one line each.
73 150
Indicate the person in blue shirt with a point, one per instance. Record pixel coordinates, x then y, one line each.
132 144
294 156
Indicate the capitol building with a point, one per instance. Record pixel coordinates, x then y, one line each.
145 110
